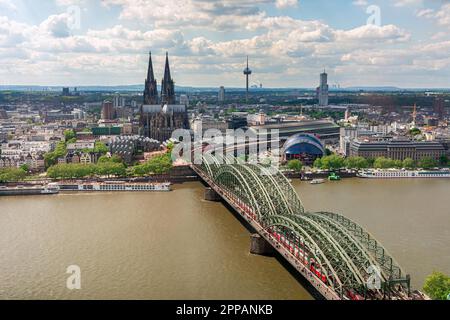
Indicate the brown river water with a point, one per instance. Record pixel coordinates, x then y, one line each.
177 246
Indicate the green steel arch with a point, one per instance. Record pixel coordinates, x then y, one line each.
388 266
297 234
342 250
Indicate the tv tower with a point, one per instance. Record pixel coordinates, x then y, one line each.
247 73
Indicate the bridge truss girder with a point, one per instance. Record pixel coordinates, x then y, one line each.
385 261
343 249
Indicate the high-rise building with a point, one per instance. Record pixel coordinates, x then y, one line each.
108 112
439 108
322 90
151 89
221 95
119 101
167 85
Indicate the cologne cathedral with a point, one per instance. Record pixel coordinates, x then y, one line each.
160 116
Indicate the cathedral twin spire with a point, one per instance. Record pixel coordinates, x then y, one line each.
167 85
151 89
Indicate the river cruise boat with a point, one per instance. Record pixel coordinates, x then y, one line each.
47 189
396 174
112 186
317 181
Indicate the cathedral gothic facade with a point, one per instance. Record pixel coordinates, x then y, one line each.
160 116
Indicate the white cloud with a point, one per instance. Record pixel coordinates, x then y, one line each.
370 32
441 16
7 5
70 2
405 3
281 4
208 42
12 33
57 25
218 15
361 3
426 13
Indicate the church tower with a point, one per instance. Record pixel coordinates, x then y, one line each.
167 85
151 89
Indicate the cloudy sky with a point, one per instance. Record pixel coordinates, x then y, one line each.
403 43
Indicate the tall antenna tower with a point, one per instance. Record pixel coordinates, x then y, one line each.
247 73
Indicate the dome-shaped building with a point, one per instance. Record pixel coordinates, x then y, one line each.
305 147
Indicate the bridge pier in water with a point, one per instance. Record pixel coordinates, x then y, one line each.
211 195
260 246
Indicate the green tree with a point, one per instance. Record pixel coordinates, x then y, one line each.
295 165
100 147
384 163
139 170
110 169
415 131
398 164
25 167
318 163
409 163
356 163
69 134
370 162
332 162
157 165
170 146
437 286
114 159
427 163
443 160
52 157
76 171
12 175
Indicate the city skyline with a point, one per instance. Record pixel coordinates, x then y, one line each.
289 42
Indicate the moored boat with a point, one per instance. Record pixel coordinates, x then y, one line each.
397 174
334 177
317 181
115 186
47 189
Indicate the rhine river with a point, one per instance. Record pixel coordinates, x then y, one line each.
178 246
